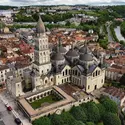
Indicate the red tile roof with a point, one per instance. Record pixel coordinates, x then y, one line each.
116 92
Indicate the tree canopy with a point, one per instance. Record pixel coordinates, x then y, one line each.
42 121
78 113
92 112
111 119
109 105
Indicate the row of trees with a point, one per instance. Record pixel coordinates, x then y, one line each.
119 10
21 17
103 113
123 28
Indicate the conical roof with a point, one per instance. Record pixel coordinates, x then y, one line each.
40 28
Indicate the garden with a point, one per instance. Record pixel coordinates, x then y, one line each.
45 100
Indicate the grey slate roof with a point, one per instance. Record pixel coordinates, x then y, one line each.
61 49
72 53
84 49
86 57
57 56
40 28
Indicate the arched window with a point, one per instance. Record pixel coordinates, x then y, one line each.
76 72
45 81
66 71
34 98
88 86
51 79
67 79
96 72
30 99
63 73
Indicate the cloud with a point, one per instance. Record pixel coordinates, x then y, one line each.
57 2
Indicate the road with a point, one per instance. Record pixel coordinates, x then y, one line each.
118 33
110 39
5 115
8 117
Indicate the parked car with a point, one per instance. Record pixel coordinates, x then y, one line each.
9 108
6 104
18 122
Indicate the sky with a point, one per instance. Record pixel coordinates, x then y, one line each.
58 2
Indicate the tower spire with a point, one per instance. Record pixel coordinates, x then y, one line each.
40 28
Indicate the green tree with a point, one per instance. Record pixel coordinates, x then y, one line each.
103 43
67 118
78 123
78 113
90 123
68 23
92 112
42 121
56 119
109 105
111 119
101 109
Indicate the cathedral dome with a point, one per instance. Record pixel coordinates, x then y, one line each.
84 49
62 50
72 53
40 28
57 56
86 57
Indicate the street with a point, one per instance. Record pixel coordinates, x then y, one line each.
5 115
8 116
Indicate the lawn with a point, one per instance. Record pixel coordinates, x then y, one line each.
47 100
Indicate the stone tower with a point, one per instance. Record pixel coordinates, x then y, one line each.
42 63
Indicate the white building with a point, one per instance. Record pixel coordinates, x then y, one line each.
3 70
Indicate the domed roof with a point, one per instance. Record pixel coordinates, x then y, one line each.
86 57
62 49
57 56
72 53
84 49
40 28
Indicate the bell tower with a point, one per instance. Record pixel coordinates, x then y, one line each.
42 62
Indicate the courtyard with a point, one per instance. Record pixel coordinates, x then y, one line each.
45 101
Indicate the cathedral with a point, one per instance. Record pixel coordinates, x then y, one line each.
78 67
